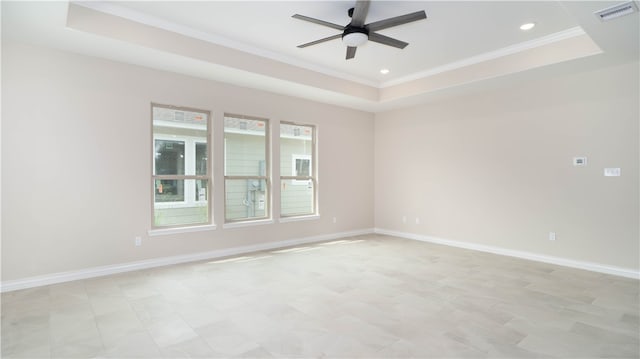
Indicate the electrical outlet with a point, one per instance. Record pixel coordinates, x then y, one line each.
404 219
552 236
335 220
417 220
138 241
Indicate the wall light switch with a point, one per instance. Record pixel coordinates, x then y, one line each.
611 172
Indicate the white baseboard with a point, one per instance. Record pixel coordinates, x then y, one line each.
61 277
590 266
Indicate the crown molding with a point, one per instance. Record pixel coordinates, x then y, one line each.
112 8
487 56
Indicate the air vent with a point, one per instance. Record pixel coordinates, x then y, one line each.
613 12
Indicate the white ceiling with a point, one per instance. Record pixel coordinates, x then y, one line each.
452 31
459 43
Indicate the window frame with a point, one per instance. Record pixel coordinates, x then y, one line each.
208 176
313 169
267 177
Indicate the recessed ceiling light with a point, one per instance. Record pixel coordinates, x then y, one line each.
384 71
527 26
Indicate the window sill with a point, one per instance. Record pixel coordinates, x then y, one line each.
258 222
165 231
299 218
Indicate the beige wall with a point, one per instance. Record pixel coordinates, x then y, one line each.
76 152
492 168
496 168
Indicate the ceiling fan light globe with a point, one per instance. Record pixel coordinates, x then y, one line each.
355 39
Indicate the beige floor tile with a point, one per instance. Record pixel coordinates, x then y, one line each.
133 345
371 296
299 342
430 347
31 351
18 340
63 333
171 330
192 348
348 347
226 338
136 290
108 304
116 325
16 305
198 314
86 347
152 309
255 353
24 295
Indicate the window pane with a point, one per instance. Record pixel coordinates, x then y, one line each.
245 147
169 191
296 198
180 143
168 213
201 159
245 199
302 167
202 190
169 157
296 148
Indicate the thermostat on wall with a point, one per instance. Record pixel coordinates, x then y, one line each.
579 161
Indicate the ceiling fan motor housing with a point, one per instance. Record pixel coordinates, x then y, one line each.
349 29
354 36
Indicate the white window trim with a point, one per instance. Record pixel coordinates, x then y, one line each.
247 223
182 228
177 230
301 218
313 168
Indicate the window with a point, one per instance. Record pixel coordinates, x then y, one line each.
246 168
297 157
181 170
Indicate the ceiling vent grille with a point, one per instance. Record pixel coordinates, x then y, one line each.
616 11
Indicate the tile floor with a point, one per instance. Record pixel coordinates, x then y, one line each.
370 296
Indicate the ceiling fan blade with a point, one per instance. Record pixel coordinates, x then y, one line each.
319 22
360 13
386 40
395 21
351 52
337 36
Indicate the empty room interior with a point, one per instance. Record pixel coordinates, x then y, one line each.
320 179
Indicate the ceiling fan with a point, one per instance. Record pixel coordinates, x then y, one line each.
357 32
